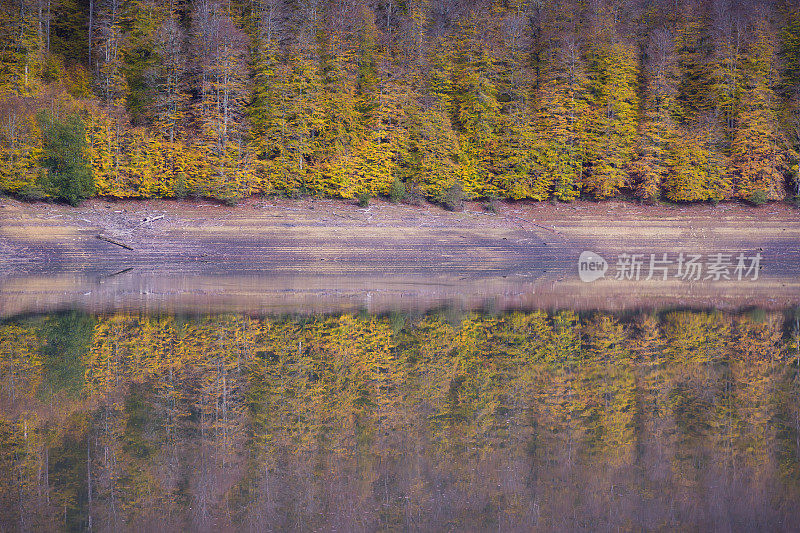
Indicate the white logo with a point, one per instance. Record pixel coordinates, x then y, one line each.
665 266
591 267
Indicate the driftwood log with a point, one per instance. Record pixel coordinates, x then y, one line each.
112 241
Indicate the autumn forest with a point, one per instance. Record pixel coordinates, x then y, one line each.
678 100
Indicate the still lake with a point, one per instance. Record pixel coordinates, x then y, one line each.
440 420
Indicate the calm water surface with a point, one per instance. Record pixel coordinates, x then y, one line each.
444 421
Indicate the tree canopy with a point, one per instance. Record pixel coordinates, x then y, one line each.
694 100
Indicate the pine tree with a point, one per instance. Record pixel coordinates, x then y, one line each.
69 176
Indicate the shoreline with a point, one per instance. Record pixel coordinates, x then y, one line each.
477 204
315 255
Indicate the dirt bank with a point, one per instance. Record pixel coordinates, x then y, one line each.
325 255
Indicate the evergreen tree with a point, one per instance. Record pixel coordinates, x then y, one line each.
69 176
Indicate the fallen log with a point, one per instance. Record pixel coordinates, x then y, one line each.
146 220
112 241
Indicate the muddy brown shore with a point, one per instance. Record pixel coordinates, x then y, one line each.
276 255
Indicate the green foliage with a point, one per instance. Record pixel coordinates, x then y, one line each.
758 197
68 337
69 175
68 475
453 198
397 192
363 199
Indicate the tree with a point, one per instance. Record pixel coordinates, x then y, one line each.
611 121
68 338
561 103
169 79
534 100
696 86
20 148
220 49
694 170
69 175
338 134
789 91
367 79
759 152
298 120
429 152
658 130
108 60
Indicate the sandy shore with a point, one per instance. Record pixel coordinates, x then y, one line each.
275 255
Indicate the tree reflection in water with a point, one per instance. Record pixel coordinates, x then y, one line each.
516 421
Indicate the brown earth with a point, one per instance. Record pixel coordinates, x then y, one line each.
308 255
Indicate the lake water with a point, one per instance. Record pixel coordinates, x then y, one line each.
440 420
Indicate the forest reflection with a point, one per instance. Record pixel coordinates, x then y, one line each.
444 421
